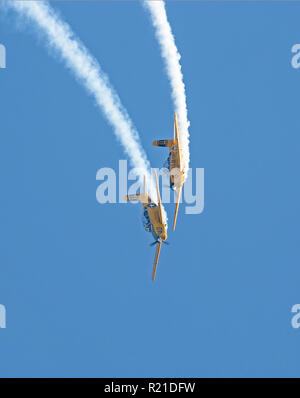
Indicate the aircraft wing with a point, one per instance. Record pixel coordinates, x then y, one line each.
177 134
177 207
156 260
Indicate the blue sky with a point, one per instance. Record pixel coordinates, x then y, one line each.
75 276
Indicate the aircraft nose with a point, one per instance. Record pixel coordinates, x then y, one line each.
163 236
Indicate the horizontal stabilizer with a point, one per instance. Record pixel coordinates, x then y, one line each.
163 143
139 197
132 198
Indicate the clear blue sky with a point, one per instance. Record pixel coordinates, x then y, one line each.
75 276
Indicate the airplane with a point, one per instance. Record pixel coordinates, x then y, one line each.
174 164
153 219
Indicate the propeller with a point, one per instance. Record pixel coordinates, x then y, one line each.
158 241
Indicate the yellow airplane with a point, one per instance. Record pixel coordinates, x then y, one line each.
174 164
153 219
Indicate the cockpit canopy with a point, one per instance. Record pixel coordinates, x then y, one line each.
146 220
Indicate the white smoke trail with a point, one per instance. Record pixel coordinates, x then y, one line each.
88 71
171 59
